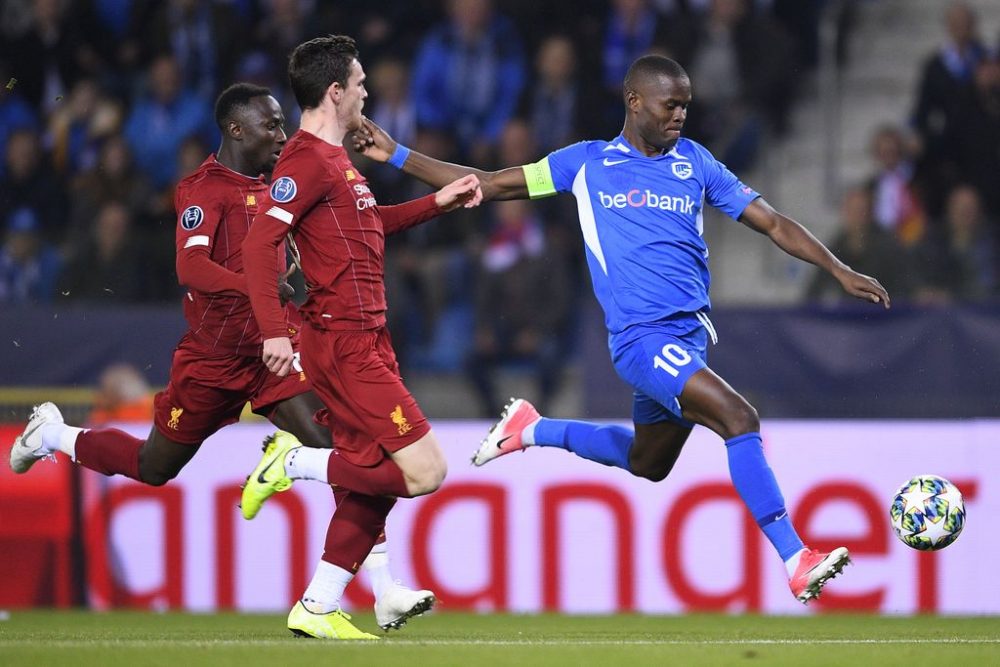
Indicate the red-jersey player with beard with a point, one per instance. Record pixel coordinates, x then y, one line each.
321 198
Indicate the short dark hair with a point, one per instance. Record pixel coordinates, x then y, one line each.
317 64
650 66
233 99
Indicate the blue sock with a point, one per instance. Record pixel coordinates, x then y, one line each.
756 485
608 445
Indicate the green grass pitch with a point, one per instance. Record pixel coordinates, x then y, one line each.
82 639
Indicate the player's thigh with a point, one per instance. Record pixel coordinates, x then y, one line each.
161 459
295 415
202 396
422 460
369 411
709 400
657 365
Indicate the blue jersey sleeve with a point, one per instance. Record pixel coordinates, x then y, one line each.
565 164
723 190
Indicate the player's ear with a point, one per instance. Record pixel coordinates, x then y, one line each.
335 92
235 130
631 99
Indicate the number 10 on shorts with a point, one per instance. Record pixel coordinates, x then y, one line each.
671 357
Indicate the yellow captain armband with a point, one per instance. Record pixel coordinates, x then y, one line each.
538 176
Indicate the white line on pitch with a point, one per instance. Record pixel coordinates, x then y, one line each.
142 643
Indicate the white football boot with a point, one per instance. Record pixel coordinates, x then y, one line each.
399 604
28 446
505 436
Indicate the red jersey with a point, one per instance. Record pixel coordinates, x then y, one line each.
216 206
340 232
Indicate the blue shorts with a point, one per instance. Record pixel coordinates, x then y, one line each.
656 360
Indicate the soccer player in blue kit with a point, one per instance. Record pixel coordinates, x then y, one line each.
640 199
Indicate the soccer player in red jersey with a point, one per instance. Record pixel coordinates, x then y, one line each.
322 199
217 367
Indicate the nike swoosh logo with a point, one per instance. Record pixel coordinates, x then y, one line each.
608 162
260 476
781 516
503 440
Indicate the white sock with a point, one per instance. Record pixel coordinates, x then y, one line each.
307 463
793 562
60 438
327 586
528 434
377 567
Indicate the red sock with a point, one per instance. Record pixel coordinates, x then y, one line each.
109 452
339 493
384 479
356 524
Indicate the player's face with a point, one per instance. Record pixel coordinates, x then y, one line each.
263 132
662 110
353 99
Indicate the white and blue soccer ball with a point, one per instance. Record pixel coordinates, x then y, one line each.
927 513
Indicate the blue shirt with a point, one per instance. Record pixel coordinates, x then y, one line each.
641 219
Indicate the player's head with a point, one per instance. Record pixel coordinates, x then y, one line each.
657 93
326 71
252 124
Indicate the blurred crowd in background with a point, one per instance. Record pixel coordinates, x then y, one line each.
106 104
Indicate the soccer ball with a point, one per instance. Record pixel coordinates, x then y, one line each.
927 513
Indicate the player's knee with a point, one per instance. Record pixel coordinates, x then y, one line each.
156 477
429 478
742 419
654 471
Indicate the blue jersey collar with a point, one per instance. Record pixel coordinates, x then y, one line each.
620 143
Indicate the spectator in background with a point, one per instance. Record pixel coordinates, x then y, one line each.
742 88
162 119
79 125
122 395
51 54
283 25
960 261
897 204
468 76
944 88
523 294
109 268
631 27
29 268
204 39
113 178
15 113
29 182
392 107
977 140
863 245
554 102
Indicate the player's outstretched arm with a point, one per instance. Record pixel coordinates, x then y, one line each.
375 143
798 242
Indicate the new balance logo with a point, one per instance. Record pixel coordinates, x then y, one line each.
608 162
646 199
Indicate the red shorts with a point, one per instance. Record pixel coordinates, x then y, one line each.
368 410
207 393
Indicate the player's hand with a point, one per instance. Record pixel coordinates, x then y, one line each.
373 142
861 286
278 355
285 291
463 192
